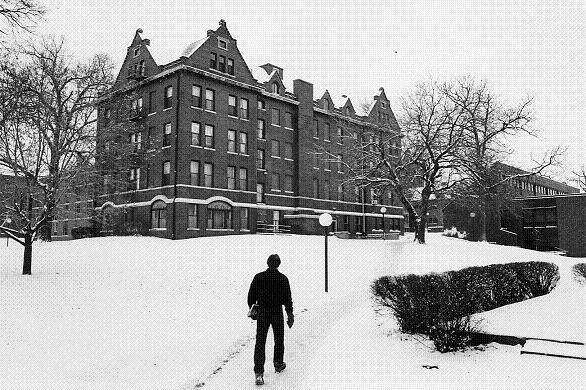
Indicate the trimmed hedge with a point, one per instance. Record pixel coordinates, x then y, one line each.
439 305
85 231
580 272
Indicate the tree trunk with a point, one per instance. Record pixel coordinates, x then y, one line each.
420 232
28 254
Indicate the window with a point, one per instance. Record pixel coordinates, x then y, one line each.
213 60
261 105
340 192
166 178
315 158
194 173
210 100
150 134
340 134
222 44
209 136
244 108
244 220
260 192
208 174
107 116
275 88
288 153
261 129
232 105
222 64
219 216
167 134
340 163
135 178
167 103
327 132
276 117
275 148
374 196
232 141
158 215
326 104
288 120
196 96
260 159
243 145
152 101
65 228
136 140
192 216
137 51
195 134
243 179
315 129
275 182
230 69
315 188
231 175
326 189
141 68
288 185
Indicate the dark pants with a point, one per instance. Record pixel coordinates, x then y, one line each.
266 319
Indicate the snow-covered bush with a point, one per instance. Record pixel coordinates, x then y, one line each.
580 272
439 305
453 232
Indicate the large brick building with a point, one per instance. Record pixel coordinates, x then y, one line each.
220 148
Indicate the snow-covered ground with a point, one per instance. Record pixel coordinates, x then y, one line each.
147 313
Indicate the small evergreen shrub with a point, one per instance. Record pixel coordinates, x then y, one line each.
580 272
440 305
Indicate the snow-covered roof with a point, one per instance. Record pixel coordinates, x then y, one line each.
192 47
162 55
261 75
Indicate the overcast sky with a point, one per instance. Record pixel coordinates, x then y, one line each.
355 47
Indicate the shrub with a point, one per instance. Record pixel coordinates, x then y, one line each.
537 277
453 232
85 231
439 305
580 272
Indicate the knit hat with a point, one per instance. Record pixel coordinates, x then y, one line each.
274 261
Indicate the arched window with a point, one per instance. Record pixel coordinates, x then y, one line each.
159 215
275 87
219 215
326 104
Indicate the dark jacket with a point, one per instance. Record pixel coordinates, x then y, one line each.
270 289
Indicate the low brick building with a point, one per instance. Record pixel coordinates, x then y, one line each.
554 222
220 148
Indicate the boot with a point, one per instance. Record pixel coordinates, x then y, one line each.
280 367
259 379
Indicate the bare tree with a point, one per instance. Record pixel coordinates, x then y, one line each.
580 178
488 127
20 14
419 160
47 129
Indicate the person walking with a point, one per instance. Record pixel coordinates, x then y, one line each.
270 290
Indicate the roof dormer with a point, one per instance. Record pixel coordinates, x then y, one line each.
326 102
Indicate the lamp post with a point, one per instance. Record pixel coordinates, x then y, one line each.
472 215
7 221
383 210
325 220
